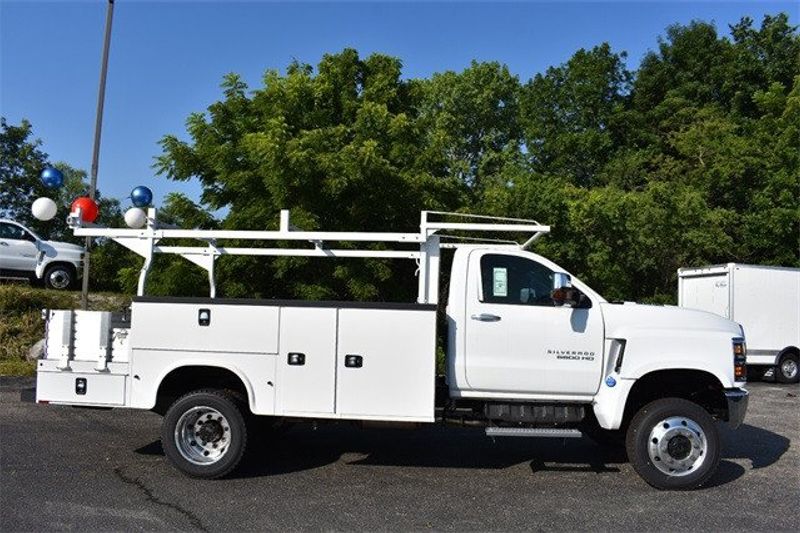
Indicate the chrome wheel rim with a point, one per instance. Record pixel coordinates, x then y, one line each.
789 368
677 446
59 279
202 435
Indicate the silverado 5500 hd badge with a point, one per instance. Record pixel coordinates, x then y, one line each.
575 355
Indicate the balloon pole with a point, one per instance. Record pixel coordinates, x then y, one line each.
101 94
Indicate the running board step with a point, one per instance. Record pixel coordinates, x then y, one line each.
534 432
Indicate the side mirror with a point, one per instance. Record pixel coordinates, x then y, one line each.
564 294
561 280
570 297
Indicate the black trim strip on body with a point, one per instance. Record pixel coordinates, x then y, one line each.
283 303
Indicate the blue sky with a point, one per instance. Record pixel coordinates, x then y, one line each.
168 58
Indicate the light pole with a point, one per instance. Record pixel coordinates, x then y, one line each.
98 126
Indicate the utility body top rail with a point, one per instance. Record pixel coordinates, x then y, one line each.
434 235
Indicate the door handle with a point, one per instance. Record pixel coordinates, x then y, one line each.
486 317
3 243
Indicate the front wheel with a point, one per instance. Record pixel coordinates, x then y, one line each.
673 444
204 434
59 277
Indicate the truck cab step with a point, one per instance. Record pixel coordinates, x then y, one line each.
558 433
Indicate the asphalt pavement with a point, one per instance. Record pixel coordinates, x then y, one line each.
63 468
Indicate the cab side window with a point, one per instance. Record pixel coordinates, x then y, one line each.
509 279
10 231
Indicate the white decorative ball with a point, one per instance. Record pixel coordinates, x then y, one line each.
135 218
44 208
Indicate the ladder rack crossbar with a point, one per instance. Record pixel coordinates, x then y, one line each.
286 252
147 242
331 236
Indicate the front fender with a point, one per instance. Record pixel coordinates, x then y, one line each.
651 349
676 363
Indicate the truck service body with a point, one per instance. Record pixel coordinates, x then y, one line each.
531 351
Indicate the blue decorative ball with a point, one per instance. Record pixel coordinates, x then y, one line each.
141 196
52 178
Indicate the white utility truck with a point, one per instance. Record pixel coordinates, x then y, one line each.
765 300
531 352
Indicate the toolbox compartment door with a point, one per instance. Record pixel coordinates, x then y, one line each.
81 388
386 364
307 361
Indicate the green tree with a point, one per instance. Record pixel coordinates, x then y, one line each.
21 161
21 164
691 159
574 114
341 147
471 124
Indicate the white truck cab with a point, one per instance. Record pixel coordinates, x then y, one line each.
531 352
25 255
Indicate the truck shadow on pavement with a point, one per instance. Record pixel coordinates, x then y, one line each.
305 448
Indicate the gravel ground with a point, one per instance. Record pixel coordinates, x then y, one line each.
74 469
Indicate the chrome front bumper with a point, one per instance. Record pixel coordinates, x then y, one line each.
737 406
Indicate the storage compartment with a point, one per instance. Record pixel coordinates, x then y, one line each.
81 388
204 327
307 361
386 364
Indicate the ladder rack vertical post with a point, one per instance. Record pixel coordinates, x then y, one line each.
148 252
422 278
212 282
428 290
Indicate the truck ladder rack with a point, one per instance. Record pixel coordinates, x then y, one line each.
423 247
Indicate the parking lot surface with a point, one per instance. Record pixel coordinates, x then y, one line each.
74 469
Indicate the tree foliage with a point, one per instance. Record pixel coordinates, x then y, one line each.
692 158
689 160
21 163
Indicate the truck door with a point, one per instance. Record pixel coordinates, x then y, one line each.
518 340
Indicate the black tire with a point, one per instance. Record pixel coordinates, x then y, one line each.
227 433
59 277
787 364
676 417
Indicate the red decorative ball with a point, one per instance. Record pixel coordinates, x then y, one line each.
88 207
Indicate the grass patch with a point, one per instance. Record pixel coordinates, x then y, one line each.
21 324
17 368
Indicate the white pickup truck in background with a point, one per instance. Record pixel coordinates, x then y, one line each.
25 255
765 300
531 352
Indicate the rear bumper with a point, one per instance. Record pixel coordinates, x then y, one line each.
737 406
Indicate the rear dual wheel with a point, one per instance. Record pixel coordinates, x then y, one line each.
204 433
673 444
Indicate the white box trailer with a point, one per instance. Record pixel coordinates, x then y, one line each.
531 352
765 300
